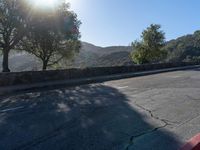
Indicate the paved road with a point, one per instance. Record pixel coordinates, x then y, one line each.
157 112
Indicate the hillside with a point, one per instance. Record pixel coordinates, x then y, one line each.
120 58
21 61
92 56
185 48
89 56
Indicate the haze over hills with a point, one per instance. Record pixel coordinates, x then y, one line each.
180 49
89 56
94 56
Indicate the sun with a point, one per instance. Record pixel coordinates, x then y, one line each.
44 3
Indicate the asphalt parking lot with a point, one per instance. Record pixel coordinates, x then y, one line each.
158 112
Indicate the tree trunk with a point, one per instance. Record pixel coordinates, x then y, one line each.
44 65
5 60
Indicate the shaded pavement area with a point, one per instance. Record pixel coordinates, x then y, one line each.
157 112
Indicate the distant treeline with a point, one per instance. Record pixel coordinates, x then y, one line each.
185 48
52 36
153 48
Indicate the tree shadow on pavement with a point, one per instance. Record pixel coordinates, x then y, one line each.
196 69
89 117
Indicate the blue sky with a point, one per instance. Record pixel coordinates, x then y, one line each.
119 22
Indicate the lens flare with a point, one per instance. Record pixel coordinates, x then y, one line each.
44 3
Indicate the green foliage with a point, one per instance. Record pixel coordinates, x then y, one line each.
184 48
150 48
12 26
53 35
140 53
49 34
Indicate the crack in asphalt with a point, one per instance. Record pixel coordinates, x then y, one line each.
165 124
133 138
165 121
187 121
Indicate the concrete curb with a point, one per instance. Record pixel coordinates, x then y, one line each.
75 82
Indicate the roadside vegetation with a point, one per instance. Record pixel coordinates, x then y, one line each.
52 36
150 48
49 34
185 48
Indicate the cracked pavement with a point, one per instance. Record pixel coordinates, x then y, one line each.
155 112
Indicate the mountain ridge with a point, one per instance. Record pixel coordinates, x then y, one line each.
184 48
88 56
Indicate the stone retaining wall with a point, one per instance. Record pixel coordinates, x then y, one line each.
7 79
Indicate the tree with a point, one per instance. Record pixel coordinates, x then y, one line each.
53 35
150 48
184 48
12 27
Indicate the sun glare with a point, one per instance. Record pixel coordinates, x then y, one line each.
44 3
